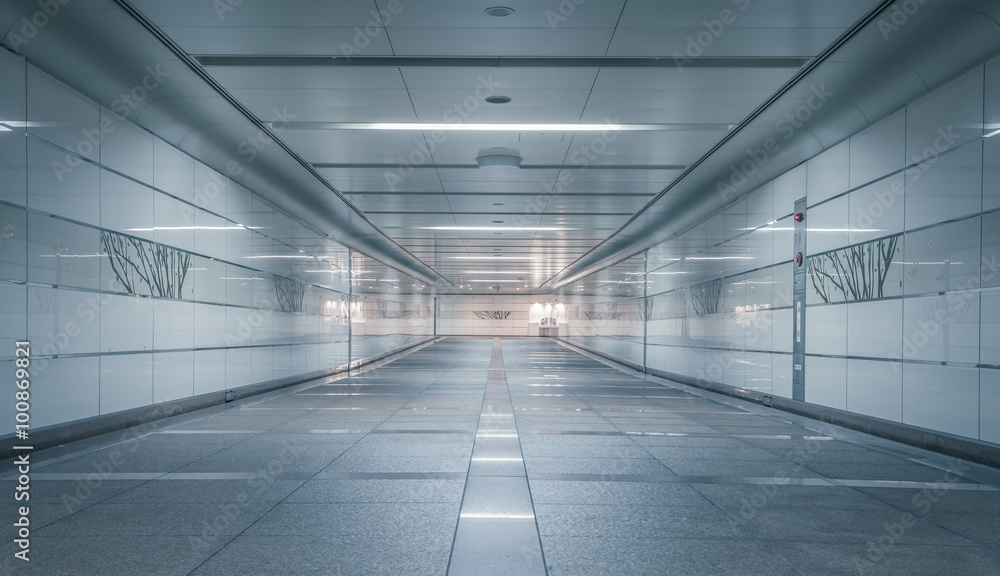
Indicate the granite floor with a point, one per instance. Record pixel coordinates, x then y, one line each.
513 457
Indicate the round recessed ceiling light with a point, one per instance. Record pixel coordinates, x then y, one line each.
499 11
498 99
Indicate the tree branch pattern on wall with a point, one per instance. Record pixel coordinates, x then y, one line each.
705 297
137 262
492 314
289 293
391 310
853 273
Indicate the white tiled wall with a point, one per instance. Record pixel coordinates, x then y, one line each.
456 315
82 170
925 353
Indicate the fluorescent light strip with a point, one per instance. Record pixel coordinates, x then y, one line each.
494 272
493 229
479 127
992 134
174 228
494 258
499 281
496 516
484 459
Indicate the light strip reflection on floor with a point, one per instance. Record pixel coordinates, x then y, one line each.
842 482
212 431
488 516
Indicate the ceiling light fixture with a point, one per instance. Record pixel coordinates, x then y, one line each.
493 229
494 257
502 160
521 127
992 134
498 99
499 11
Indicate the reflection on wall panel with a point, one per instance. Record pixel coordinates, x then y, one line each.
904 236
151 277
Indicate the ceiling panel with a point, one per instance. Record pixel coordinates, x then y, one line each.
406 185
275 41
470 78
527 14
454 151
672 78
300 99
497 175
405 182
680 42
239 14
236 77
501 41
410 202
747 13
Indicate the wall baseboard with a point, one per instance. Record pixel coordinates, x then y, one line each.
59 434
942 443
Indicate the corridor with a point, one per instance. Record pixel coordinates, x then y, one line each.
502 456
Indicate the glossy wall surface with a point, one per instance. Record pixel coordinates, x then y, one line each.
903 260
141 276
487 315
607 311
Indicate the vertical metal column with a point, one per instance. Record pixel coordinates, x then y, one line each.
350 306
645 308
434 312
799 303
